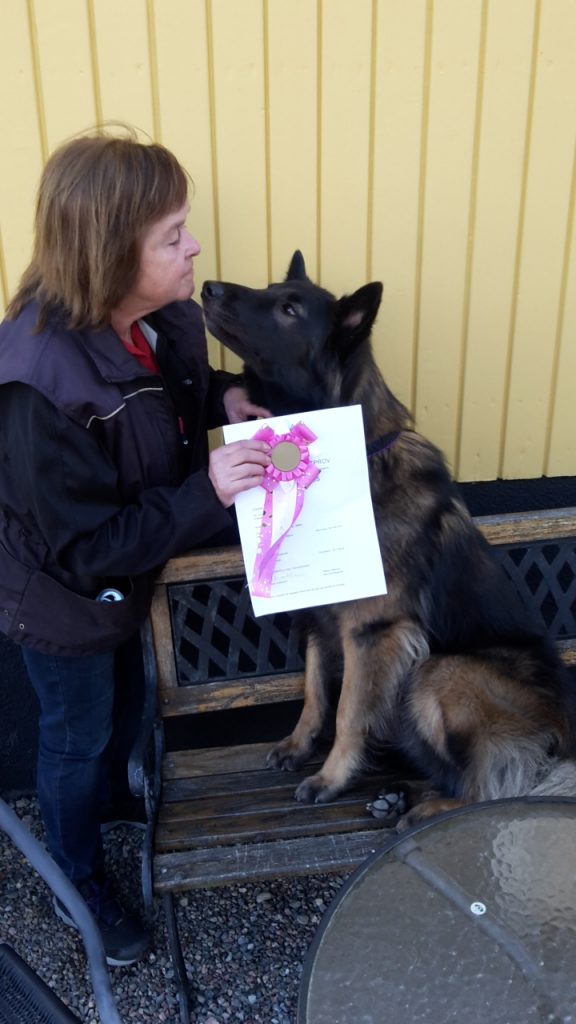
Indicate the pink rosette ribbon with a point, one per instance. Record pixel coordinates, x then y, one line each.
285 481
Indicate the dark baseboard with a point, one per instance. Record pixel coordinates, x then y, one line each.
500 496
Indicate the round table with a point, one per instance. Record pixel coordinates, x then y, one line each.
469 918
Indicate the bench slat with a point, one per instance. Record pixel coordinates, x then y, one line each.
259 823
183 764
250 803
516 527
178 790
225 694
258 861
256 792
207 564
271 829
255 691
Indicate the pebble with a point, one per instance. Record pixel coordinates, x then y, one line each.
244 945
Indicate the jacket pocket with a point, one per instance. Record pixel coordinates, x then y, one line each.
44 614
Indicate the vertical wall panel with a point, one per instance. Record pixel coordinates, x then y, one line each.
238 63
428 144
184 120
293 132
543 244
185 115
238 70
502 141
398 125
123 62
453 91
345 123
21 139
66 84
562 455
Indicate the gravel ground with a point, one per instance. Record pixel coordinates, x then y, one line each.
244 945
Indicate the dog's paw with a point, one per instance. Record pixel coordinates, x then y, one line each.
287 756
315 790
430 807
389 807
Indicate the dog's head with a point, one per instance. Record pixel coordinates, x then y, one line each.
294 337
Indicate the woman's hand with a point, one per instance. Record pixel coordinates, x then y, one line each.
239 408
237 467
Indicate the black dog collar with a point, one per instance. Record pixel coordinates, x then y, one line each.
380 444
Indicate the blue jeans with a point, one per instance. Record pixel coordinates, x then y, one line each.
81 701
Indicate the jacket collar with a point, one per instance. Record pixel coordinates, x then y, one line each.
113 362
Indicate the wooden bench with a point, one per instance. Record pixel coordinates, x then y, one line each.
217 814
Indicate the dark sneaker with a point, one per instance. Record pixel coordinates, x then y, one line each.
125 939
129 812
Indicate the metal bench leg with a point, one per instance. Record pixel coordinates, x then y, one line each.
177 958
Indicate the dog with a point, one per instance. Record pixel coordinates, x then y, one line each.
446 667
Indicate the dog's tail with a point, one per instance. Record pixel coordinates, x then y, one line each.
518 767
560 780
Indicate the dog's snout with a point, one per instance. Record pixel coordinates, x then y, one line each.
212 290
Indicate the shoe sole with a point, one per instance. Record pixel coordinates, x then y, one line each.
124 963
110 960
107 826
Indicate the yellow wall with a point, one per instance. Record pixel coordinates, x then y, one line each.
425 143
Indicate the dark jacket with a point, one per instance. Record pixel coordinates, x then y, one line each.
102 474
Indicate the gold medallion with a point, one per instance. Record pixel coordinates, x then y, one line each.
285 456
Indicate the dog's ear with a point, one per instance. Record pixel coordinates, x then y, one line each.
357 312
297 268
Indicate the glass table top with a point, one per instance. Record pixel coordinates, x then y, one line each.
468 918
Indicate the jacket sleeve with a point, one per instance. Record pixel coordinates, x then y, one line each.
220 381
70 486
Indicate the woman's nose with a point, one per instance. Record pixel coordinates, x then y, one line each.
193 247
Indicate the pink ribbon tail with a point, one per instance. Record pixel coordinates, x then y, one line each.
303 475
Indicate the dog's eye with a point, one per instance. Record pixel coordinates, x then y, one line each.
288 309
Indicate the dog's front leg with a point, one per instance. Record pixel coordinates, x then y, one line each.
297 748
376 663
345 756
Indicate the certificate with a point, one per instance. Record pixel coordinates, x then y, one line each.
308 533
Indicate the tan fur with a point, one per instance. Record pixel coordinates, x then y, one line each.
296 749
370 686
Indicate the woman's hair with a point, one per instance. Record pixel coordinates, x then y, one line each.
97 196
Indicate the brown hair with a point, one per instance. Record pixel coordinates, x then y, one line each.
97 195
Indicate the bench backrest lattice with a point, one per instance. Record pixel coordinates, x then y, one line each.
544 574
216 636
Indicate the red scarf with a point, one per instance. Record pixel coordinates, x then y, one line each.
140 349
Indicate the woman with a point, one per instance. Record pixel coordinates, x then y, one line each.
105 399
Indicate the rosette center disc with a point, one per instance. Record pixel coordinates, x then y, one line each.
285 456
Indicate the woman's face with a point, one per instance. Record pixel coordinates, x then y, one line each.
166 271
